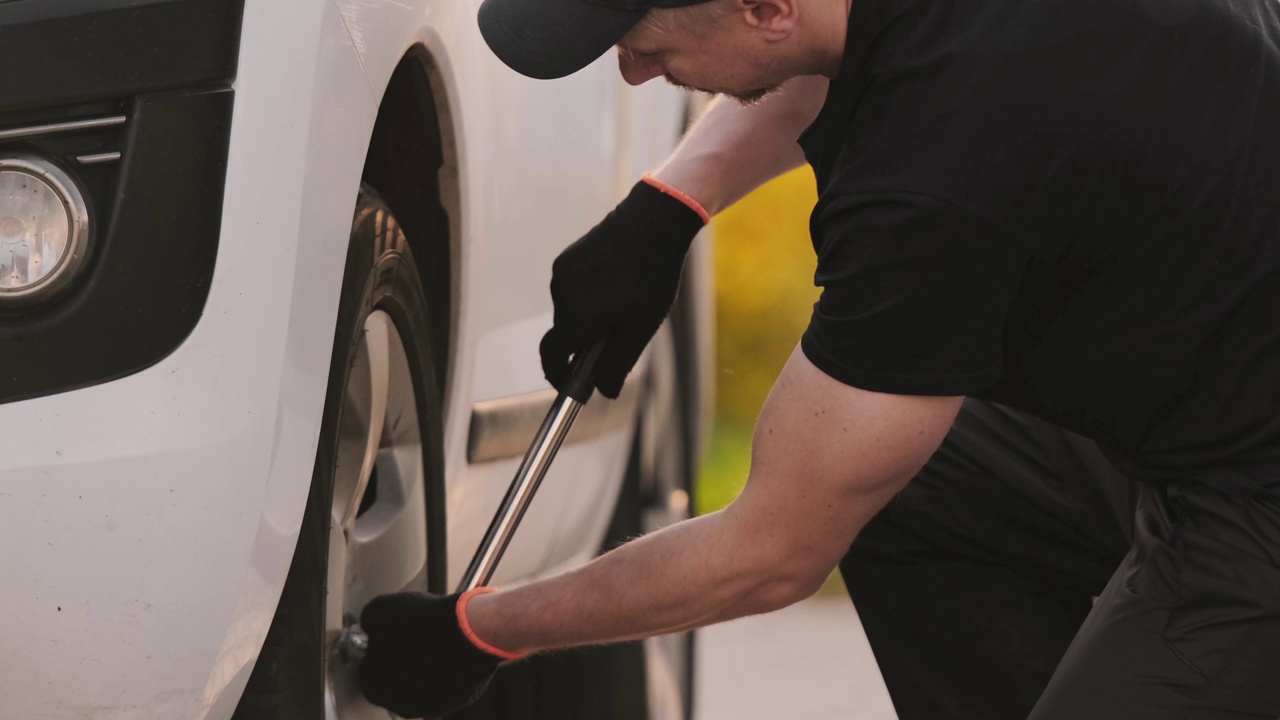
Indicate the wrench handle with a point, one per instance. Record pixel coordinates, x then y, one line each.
354 642
555 427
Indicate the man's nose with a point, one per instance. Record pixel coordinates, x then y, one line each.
636 71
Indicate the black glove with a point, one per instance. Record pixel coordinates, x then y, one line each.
618 281
419 662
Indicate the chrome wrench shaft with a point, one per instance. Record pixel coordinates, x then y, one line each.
534 467
353 643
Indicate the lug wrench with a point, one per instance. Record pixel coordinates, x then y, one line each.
353 643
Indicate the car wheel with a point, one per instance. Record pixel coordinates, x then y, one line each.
664 497
375 490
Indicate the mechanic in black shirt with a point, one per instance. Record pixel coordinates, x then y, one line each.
1048 238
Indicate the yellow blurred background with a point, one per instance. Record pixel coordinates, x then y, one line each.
764 265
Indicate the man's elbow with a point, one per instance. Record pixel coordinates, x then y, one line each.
787 591
790 578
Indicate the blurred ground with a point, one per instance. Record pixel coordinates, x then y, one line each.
808 661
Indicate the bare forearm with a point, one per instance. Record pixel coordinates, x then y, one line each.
734 149
691 574
825 459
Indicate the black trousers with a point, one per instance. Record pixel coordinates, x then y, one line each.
977 585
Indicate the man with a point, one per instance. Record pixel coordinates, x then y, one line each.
1066 211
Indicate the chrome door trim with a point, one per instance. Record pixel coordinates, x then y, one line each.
503 428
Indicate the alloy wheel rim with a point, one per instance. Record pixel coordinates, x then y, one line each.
377 522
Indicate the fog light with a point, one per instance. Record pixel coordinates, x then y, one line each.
44 226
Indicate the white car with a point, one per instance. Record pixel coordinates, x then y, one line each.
273 274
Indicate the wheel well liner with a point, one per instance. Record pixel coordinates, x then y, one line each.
407 154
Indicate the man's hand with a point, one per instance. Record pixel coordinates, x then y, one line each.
421 662
619 281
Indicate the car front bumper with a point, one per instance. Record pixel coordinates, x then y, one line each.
148 522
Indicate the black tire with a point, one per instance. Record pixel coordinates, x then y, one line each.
288 680
664 468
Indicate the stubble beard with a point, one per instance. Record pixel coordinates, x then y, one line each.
752 97
745 99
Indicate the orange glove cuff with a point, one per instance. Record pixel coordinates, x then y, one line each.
471 634
666 189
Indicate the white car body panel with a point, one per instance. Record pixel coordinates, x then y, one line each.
150 521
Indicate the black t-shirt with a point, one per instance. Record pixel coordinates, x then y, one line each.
1068 206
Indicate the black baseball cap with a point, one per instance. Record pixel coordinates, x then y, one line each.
548 39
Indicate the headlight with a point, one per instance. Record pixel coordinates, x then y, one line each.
44 225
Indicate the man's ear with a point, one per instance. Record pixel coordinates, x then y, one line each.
776 17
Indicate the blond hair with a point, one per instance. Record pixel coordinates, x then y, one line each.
697 18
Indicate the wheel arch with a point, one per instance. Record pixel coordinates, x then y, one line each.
412 161
693 330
